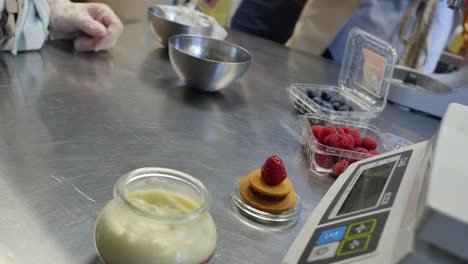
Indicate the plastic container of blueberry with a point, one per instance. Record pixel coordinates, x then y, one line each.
330 153
363 83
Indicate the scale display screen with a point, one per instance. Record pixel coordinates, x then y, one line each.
368 189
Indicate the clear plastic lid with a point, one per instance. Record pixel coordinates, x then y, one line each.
367 68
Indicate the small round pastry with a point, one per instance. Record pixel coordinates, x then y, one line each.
263 203
258 184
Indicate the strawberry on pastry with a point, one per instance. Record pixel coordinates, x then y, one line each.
273 171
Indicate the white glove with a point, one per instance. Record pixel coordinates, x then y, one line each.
92 26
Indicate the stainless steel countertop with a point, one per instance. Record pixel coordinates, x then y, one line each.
72 123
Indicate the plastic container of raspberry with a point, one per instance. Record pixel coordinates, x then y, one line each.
363 83
323 158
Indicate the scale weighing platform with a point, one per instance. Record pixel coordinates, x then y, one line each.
428 93
404 206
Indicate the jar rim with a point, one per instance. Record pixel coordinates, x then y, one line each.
123 181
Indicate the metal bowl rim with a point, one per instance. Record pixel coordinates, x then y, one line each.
175 22
214 39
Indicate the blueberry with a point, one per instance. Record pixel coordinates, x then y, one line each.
332 101
344 108
317 100
311 94
337 101
327 105
336 105
326 96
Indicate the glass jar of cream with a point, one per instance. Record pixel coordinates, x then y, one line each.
157 215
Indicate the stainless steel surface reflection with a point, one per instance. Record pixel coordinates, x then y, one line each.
207 64
72 123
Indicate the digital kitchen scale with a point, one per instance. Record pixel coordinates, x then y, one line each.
404 206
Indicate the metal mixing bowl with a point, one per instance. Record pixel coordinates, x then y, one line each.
163 24
207 64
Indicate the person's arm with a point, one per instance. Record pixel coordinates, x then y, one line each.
93 26
319 23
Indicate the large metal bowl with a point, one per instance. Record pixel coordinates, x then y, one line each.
207 64
164 26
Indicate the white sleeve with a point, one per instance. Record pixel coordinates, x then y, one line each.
439 35
31 27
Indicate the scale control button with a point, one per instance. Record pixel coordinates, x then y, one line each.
386 198
362 227
331 235
323 251
354 245
402 162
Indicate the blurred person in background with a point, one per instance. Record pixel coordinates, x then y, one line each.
25 24
464 35
219 10
270 19
418 29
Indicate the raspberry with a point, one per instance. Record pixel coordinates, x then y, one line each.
316 130
273 171
324 132
374 152
324 161
346 141
340 167
332 141
362 150
344 130
369 143
353 132
357 137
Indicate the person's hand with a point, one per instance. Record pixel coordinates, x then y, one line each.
92 26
